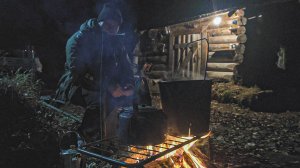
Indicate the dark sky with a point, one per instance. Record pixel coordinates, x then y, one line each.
36 19
47 24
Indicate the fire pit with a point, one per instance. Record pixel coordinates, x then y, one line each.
141 137
111 151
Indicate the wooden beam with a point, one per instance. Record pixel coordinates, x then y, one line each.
221 60
238 58
157 74
240 49
171 54
155 59
222 57
204 53
196 59
210 54
228 39
220 75
221 67
153 85
226 31
238 14
233 23
185 45
178 56
187 59
241 30
223 47
196 26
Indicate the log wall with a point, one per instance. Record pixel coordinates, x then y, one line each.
189 49
224 50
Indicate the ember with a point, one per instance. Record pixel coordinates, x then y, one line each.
184 157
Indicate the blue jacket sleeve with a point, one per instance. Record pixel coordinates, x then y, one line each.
126 70
76 52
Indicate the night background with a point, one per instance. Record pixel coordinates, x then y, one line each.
47 25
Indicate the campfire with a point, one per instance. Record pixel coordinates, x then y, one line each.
144 125
176 152
187 156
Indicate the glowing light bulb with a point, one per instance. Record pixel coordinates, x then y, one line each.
217 21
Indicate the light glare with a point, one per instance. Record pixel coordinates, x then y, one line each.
217 21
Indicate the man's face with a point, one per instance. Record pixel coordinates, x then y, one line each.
111 26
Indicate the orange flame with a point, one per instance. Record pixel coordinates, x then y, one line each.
177 163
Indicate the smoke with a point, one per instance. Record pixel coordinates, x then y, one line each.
128 10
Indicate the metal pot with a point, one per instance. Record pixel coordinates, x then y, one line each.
147 126
187 105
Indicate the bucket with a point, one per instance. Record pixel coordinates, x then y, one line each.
187 106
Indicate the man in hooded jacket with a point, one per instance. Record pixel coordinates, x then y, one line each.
98 72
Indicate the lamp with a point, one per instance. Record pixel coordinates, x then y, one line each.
217 21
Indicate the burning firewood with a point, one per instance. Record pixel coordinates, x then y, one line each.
160 163
188 161
200 154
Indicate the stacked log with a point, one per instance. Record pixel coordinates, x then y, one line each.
153 51
226 46
196 26
178 48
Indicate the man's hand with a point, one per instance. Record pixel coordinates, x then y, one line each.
119 91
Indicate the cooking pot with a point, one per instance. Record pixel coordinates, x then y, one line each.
144 126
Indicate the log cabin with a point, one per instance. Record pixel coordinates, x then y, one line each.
196 48
209 46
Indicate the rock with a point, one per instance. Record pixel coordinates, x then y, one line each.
249 145
220 138
250 137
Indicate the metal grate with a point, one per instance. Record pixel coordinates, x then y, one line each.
111 151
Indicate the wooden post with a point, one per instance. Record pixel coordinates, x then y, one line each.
194 60
178 63
171 54
199 57
204 50
187 59
183 40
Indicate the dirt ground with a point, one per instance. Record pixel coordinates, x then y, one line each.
241 137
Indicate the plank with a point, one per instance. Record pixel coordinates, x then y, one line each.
228 39
220 75
221 67
226 31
